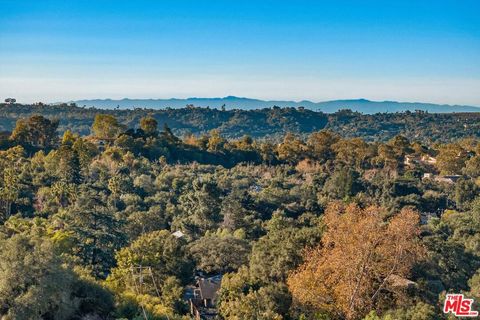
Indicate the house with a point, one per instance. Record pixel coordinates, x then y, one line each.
178 234
202 297
426 216
101 143
410 159
207 290
428 160
427 175
451 179
448 179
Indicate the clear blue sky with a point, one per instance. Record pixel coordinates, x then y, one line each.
318 50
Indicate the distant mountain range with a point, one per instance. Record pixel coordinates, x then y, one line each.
231 102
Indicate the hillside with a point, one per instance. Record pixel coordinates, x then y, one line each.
231 102
264 123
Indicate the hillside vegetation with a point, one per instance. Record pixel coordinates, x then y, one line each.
121 224
263 123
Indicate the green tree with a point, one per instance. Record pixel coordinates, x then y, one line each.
237 212
239 298
199 209
472 167
292 149
320 144
158 251
280 250
465 192
36 131
106 126
9 190
64 163
35 285
400 145
149 126
451 159
353 153
69 138
420 311
343 183
216 142
95 230
86 151
216 254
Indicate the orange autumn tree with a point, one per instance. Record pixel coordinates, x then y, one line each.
362 263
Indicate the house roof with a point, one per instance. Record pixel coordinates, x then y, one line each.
178 234
398 281
209 287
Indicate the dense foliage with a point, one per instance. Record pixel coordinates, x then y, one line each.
269 122
318 226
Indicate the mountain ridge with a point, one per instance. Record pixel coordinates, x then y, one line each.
232 102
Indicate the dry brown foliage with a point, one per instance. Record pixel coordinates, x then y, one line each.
351 272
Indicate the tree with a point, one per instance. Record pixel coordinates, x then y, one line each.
453 251
95 231
420 311
106 126
280 250
168 137
64 193
451 159
129 143
388 157
149 126
199 209
40 289
267 152
215 254
352 152
465 192
320 144
216 142
160 251
65 164
140 222
69 138
343 183
35 285
474 284
240 300
360 261
292 149
237 213
15 191
36 132
86 151
472 167
400 145
9 191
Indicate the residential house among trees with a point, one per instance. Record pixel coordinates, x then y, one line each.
203 297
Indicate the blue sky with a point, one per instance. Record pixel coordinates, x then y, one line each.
318 50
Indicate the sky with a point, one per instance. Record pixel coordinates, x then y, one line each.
415 51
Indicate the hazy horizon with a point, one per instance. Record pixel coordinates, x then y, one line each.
272 50
229 96
256 98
